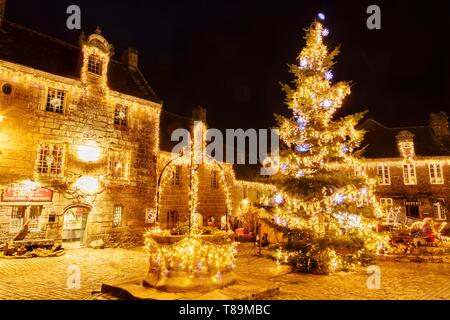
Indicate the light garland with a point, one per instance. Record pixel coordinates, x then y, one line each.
338 206
89 51
191 255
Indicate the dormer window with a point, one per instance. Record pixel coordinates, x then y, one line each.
96 53
405 142
95 65
407 149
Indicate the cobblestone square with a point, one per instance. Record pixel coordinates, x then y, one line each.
46 278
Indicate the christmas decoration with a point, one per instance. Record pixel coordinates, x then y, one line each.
321 16
327 204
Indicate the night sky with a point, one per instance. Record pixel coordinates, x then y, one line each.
229 56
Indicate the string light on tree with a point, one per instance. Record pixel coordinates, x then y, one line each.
333 208
326 104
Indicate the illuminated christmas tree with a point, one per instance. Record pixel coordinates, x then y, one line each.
326 206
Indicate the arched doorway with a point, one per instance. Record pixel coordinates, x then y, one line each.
75 221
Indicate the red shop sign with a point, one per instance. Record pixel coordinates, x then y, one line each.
23 195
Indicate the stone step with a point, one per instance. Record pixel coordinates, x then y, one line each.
243 289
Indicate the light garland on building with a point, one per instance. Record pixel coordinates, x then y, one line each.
88 52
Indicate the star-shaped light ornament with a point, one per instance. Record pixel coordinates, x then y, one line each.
49 159
55 102
303 64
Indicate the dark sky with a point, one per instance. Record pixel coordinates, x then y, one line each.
229 56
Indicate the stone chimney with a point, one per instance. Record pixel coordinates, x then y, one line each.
199 114
130 58
2 11
439 124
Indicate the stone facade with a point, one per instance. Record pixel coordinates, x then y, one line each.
100 165
212 193
412 166
80 147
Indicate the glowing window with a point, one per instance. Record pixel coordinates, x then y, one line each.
50 159
118 165
436 175
383 174
407 148
35 213
214 180
17 216
439 211
117 216
176 176
95 65
409 174
121 115
55 101
173 218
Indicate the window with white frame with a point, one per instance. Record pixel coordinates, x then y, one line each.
95 65
409 174
214 180
50 159
118 165
35 213
176 176
117 216
55 101
439 211
436 174
407 148
17 216
121 116
383 174
386 204
360 170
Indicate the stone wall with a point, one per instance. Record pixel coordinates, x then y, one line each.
87 118
211 200
424 192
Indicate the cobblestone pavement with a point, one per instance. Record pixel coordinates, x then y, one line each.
46 278
399 281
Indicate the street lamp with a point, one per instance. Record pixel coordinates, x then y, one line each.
2 117
159 183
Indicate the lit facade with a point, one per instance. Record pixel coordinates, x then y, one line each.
83 145
78 139
213 189
412 166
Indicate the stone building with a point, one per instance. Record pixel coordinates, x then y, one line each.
412 166
78 138
80 153
220 190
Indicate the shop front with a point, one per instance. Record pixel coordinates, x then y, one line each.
22 205
75 221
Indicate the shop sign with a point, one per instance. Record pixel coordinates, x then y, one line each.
18 194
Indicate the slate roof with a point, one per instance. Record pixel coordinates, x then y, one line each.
170 122
21 45
381 142
167 124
